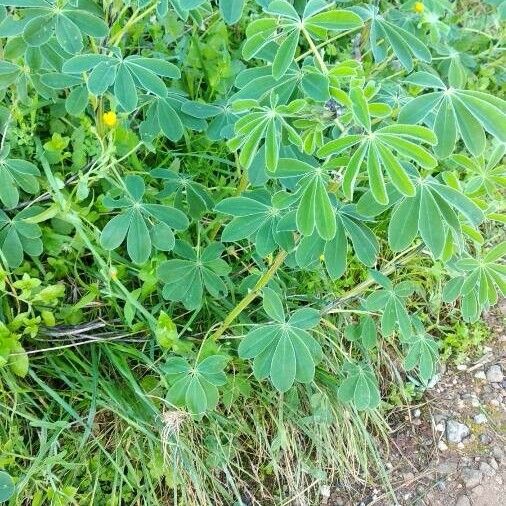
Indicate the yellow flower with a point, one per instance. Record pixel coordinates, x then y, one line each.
110 119
113 273
419 7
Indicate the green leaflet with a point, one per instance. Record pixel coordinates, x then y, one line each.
360 387
185 279
283 351
6 486
195 388
479 283
422 353
458 114
142 224
18 236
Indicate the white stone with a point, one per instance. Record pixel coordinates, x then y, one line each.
494 374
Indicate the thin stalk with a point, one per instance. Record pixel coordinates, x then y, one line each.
315 51
390 267
251 296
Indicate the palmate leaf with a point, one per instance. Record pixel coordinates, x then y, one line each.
123 76
259 217
198 199
376 150
169 116
391 301
264 124
286 26
360 387
186 279
19 236
195 388
455 113
41 21
283 351
350 227
314 210
14 174
433 214
422 352
143 225
403 43
479 282
484 175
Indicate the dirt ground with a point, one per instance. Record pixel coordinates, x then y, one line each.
450 450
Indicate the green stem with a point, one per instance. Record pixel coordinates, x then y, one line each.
315 51
390 267
251 296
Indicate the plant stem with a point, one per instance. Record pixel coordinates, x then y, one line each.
390 267
251 296
315 51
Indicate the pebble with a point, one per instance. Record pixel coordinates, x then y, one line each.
408 477
440 427
471 477
487 469
442 446
498 454
478 491
485 439
463 500
447 468
461 367
456 431
480 418
494 374
494 463
480 375
417 413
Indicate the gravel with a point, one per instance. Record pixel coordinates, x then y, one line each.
456 431
495 374
471 477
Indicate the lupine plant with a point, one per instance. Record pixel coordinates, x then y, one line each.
265 181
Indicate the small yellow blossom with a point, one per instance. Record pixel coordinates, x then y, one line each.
110 119
419 7
113 273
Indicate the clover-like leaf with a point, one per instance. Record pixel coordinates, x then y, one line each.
195 388
19 235
478 282
142 224
455 113
185 279
391 300
283 351
360 387
422 352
